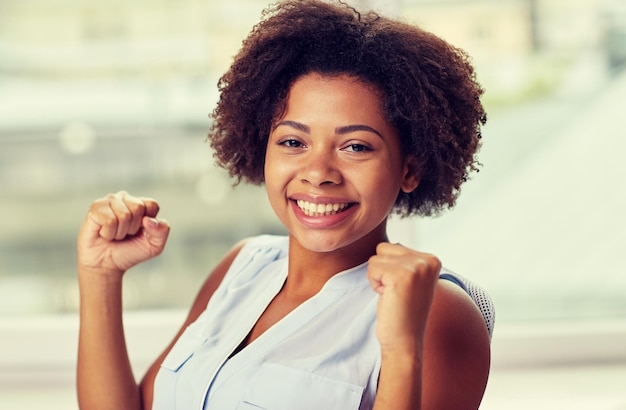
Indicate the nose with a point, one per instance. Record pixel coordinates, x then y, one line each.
320 167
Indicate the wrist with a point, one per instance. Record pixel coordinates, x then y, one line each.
99 293
102 274
409 347
101 281
409 358
400 380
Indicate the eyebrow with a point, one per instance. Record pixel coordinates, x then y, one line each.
297 125
346 129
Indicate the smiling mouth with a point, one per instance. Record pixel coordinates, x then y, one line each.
313 209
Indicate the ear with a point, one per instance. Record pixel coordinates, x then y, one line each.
410 183
411 177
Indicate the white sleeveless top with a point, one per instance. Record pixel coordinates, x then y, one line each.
322 355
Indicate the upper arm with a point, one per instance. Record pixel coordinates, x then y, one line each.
456 351
199 304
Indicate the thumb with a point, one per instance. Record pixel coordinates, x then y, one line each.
156 230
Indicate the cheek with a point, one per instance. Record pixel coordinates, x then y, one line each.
269 168
277 175
273 168
383 187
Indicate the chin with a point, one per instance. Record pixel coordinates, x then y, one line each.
317 243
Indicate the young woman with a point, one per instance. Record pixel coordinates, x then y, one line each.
346 118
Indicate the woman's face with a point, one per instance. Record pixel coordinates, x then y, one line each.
333 165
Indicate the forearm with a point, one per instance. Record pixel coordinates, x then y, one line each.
104 375
400 382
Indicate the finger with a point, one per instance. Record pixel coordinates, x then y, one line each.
137 210
101 220
385 270
375 282
155 227
400 272
152 207
386 248
156 231
376 271
123 215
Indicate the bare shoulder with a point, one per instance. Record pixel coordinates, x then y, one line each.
454 310
456 351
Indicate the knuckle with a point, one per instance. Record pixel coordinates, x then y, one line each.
100 202
124 215
135 206
155 206
433 263
427 264
108 220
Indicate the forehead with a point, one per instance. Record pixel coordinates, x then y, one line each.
338 81
334 95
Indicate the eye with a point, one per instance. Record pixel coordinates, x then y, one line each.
291 143
357 148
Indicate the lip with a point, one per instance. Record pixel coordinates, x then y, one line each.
325 221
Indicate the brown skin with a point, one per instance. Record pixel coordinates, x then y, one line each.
434 343
429 92
423 100
455 348
118 232
456 344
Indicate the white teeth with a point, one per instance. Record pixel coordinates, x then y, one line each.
311 209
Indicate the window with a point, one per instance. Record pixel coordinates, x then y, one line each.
97 97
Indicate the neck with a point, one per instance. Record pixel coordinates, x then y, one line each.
310 270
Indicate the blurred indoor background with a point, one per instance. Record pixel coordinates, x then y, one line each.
101 96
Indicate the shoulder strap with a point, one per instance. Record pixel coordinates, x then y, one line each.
478 295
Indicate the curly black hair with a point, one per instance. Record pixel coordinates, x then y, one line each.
429 90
